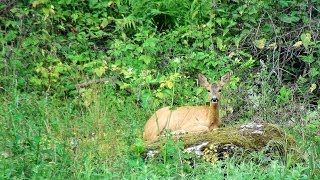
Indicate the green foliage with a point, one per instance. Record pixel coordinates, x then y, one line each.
70 41
284 95
141 55
43 138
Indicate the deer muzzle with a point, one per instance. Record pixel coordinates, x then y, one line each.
214 100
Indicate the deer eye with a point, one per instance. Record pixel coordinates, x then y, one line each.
208 90
219 90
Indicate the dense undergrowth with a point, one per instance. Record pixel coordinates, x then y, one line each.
80 78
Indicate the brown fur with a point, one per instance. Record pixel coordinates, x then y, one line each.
187 119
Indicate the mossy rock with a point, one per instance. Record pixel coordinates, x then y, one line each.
228 140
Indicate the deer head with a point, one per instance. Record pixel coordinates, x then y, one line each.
214 90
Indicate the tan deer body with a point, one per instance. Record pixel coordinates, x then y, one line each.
187 119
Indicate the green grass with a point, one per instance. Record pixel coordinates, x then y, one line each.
44 137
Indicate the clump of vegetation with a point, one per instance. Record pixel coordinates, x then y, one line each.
225 142
80 78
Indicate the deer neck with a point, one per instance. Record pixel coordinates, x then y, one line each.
214 115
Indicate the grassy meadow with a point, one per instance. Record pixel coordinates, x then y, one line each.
44 137
79 79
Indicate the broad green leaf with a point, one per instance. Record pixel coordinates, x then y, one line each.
288 18
10 35
35 80
99 71
104 22
92 2
146 59
284 95
169 84
260 43
123 85
160 95
237 41
297 44
308 59
314 72
220 44
273 46
313 87
234 82
35 3
306 39
74 17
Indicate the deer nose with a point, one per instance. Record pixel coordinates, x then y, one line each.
214 100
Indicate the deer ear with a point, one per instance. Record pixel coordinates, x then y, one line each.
225 78
202 80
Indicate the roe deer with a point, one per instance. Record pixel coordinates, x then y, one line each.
187 119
